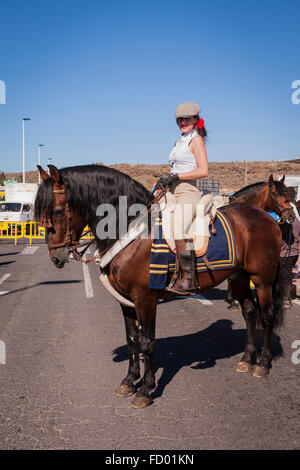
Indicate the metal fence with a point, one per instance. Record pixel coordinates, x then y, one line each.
30 230
208 186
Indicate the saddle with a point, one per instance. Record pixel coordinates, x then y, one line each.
199 230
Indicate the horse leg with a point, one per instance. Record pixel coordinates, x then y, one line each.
242 292
146 313
265 299
233 304
127 387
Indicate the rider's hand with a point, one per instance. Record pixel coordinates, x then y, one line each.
166 181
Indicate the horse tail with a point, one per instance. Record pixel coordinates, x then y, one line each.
278 310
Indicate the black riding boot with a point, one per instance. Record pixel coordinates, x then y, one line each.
186 259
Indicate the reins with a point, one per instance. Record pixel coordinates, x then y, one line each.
281 211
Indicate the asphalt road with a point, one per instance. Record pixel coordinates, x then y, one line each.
65 354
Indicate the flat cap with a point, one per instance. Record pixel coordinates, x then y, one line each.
187 109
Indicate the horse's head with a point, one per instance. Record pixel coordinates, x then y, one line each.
278 200
64 225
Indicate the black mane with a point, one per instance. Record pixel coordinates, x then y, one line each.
88 186
248 192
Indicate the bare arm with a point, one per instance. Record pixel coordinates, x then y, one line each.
197 147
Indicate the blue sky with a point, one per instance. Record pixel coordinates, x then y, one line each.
100 81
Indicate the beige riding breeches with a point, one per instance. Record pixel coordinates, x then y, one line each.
183 198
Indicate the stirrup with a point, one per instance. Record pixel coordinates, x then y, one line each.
178 290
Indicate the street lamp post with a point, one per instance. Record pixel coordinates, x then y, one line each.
49 161
39 158
23 128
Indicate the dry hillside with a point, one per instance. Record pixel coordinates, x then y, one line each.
232 175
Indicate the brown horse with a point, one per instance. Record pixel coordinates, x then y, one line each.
70 198
259 195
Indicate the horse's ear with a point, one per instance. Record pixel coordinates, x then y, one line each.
55 174
43 173
282 179
271 181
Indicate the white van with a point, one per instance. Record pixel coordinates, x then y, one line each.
19 202
16 212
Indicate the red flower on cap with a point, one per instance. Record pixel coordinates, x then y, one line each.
200 123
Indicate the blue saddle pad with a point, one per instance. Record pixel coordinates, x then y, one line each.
221 252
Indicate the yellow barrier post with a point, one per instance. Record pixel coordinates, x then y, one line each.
34 231
30 230
11 230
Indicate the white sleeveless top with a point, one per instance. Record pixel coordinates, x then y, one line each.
181 159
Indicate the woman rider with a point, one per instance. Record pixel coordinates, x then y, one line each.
188 162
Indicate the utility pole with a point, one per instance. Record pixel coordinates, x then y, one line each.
246 172
39 159
23 139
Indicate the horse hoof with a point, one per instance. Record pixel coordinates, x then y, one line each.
244 367
141 401
125 391
260 371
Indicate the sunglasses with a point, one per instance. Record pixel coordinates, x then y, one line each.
188 118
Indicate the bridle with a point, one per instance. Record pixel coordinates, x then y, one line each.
280 211
68 242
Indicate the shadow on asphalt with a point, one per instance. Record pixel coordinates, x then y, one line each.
215 294
6 263
212 294
41 284
205 348
10 254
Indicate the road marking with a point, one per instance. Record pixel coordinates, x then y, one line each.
87 281
2 353
3 278
296 301
29 250
202 299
